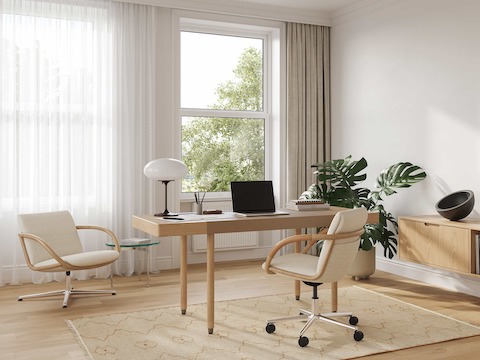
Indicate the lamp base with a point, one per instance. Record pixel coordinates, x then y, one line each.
165 213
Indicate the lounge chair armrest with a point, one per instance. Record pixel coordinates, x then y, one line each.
22 236
103 229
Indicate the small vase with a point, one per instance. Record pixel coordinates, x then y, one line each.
363 266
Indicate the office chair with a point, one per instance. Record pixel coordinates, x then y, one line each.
340 245
50 243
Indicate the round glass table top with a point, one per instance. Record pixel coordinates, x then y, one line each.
132 245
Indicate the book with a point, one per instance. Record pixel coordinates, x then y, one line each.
307 205
306 201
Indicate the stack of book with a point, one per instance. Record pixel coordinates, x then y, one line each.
307 205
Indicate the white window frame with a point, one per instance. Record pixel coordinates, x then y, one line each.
271 32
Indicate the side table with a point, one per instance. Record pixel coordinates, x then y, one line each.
130 244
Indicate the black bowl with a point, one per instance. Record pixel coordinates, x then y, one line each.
457 205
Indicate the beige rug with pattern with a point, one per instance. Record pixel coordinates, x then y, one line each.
239 333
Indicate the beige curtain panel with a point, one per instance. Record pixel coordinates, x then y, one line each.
308 103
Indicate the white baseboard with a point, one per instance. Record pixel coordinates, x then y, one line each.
442 278
23 275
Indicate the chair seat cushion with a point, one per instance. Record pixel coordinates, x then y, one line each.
297 265
86 259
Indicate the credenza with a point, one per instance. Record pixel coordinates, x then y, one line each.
435 241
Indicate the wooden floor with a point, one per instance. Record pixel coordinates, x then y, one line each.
35 329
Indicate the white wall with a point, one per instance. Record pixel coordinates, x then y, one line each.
406 87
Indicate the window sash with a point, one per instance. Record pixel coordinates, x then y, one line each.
274 83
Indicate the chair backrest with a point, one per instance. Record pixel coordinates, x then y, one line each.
57 229
337 256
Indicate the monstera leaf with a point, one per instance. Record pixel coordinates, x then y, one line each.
400 175
341 172
336 181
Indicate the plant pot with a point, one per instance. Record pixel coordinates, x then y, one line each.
363 266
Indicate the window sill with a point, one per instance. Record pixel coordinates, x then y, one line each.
209 197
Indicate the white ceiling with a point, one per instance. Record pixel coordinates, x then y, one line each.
314 5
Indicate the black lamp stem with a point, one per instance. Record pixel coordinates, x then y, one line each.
166 212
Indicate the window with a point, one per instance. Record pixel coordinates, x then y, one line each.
224 103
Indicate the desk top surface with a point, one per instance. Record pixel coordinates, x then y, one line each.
230 222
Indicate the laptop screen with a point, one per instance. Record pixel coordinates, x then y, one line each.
252 196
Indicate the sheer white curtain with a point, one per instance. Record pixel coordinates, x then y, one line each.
66 139
134 41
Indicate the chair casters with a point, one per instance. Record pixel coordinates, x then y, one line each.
358 335
270 328
303 341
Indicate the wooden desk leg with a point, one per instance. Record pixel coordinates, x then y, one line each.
210 282
334 296
297 250
183 274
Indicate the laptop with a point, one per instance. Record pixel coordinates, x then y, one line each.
254 198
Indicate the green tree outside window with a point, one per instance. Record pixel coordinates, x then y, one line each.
218 150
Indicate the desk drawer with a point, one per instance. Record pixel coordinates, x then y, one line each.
436 245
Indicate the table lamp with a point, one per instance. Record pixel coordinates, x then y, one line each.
165 170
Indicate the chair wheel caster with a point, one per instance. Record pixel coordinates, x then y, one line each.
303 341
353 320
270 328
358 335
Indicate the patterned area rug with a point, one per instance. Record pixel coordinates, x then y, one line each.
239 333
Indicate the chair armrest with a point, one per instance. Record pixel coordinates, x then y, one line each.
281 244
105 230
311 238
48 248
338 236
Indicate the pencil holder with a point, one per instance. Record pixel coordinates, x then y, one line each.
199 209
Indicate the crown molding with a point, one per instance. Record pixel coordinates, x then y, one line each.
239 8
357 10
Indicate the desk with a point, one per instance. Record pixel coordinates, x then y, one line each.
227 223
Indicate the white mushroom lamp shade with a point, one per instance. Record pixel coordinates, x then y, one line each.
165 170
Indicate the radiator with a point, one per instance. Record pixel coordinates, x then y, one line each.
231 241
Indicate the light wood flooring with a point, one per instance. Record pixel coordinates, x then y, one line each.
36 329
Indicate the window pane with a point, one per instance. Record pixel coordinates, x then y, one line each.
221 72
219 150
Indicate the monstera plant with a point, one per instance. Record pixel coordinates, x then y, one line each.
338 184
